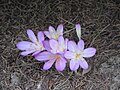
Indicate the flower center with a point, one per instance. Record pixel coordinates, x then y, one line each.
57 57
57 36
39 46
77 56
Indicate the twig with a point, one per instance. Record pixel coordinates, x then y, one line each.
63 82
68 31
99 34
67 21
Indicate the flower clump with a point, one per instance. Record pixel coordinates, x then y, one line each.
57 49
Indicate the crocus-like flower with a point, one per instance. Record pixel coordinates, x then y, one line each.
78 30
77 53
34 47
54 34
56 54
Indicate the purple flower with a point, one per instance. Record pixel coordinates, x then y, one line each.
55 54
77 53
78 30
54 34
35 46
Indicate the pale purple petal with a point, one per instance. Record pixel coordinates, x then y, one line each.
81 45
72 46
47 34
74 64
78 27
31 36
61 40
51 29
66 43
89 52
60 29
35 53
83 64
69 55
43 56
78 30
63 59
60 64
40 36
25 45
53 44
61 43
26 52
46 45
48 64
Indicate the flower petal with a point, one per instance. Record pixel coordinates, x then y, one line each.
31 35
53 44
66 43
72 46
78 31
43 56
61 43
61 40
46 45
48 64
40 36
81 45
89 52
26 52
83 64
51 29
60 64
74 65
60 29
25 45
35 53
69 55
47 34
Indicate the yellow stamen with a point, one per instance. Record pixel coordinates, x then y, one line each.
37 41
57 36
30 45
31 38
57 57
77 56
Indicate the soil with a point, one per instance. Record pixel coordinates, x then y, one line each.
100 22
